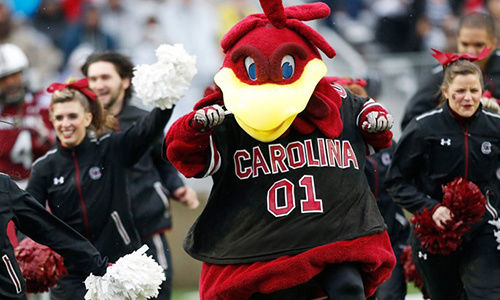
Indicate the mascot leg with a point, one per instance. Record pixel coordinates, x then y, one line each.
299 292
342 281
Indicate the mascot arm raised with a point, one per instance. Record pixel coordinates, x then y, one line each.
188 142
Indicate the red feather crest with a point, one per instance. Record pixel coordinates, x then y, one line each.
283 17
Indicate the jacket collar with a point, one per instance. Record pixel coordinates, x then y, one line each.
84 145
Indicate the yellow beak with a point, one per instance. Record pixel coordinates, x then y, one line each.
266 111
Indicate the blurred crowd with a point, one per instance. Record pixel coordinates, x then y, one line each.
57 35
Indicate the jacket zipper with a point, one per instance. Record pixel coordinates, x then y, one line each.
466 138
80 194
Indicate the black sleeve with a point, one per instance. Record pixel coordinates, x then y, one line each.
169 175
426 98
131 144
406 163
37 186
32 219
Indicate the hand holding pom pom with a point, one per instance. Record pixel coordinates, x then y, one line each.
135 276
164 82
41 266
466 204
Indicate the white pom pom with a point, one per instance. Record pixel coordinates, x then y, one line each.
135 276
496 233
164 82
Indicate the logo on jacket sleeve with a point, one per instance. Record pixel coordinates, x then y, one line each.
95 173
486 148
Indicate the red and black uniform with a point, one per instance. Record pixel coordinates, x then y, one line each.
86 187
32 219
276 209
26 135
434 149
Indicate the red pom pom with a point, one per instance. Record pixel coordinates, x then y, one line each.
467 205
41 266
411 272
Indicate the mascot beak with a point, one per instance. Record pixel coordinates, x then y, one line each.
266 111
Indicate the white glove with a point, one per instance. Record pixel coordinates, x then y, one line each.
210 116
377 122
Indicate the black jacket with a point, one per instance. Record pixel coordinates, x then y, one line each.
35 221
428 95
86 186
435 149
151 180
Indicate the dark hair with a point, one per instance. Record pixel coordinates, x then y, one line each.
122 64
459 67
102 121
478 20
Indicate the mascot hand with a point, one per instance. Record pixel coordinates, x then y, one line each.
377 121
209 116
490 104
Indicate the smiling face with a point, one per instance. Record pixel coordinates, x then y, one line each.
70 121
110 88
464 94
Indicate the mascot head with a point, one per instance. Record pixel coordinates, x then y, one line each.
272 67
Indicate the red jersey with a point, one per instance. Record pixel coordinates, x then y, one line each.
26 133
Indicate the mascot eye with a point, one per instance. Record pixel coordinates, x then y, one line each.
287 66
250 67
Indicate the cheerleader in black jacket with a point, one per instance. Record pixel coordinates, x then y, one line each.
36 222
83 179
459 139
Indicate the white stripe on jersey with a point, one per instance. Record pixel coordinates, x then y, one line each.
433 112
215 161
368 104
489 113
44 156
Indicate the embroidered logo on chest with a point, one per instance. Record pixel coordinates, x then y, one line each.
95 173
386 159
58 180
486 148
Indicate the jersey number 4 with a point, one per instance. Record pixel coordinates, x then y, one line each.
21 152
308 205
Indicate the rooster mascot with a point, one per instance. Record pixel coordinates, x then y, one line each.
290 214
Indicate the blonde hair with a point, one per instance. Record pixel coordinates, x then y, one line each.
102 122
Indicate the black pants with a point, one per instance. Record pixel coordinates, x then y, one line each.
69 287
339 282
160 251
470 273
